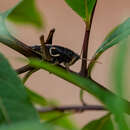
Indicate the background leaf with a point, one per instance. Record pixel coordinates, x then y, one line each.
59 119
104 123
83 8
25 12
28 125
3 30
118 75
118 34
36 98
7 39
55 118
14 102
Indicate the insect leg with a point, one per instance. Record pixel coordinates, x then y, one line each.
67 66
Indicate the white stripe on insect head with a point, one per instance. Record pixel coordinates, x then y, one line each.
51 49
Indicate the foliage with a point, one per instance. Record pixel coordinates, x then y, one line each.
25 12
17 103
83 8
104 123
14 102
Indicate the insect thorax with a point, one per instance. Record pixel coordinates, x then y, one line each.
59 54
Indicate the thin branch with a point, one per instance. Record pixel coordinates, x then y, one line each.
28 74
71 108
19 46
23 69
84 70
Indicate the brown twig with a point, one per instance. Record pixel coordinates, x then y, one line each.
23 69
19 46
84 70
71 108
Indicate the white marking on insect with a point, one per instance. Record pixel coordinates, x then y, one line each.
50 50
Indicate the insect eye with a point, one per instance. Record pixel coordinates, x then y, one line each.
53 52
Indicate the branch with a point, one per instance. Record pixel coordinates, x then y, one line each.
108 98
71 108
19 46
84 70
23 69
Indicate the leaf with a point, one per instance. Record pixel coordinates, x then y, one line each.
121 32
28 125
7 39
119 65
36 98
25 12
3 30
104 123
83 8
40 100
104 95
54 118
119 80
14 103
117 35
59 119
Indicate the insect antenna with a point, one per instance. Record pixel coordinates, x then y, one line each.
90 60
81 58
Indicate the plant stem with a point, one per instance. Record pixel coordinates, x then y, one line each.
23 69
19 46
28 74
84 69
71 108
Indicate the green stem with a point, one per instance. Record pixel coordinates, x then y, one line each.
108 98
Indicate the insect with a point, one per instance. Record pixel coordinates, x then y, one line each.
54 53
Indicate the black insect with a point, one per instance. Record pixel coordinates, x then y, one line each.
54 53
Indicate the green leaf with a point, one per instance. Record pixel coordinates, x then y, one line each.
25 12
28 125
119 80
40 100
54 118
3 30
14 102
36 98
104 123
83 8
7 39
59 119
119 64
117 35
104 95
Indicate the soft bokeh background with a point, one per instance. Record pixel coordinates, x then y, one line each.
69 33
